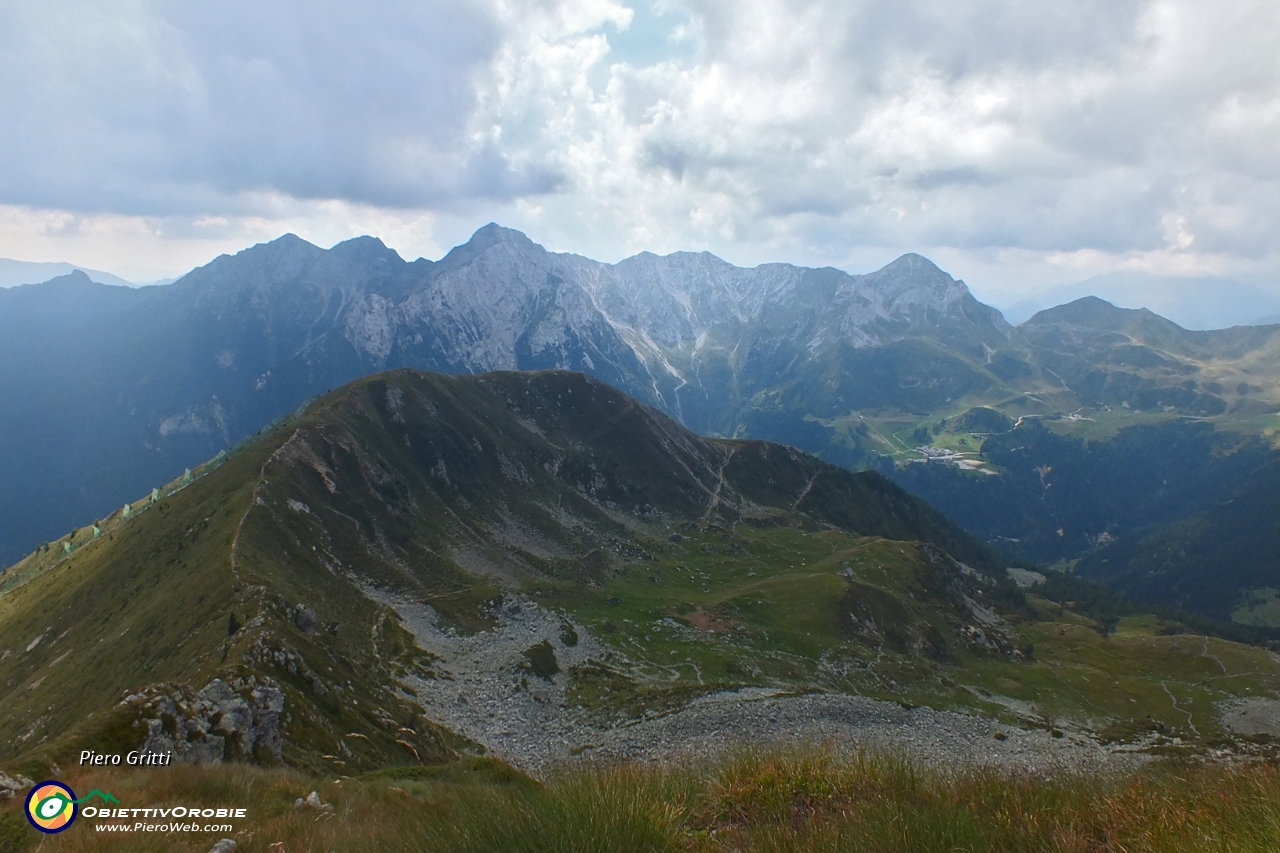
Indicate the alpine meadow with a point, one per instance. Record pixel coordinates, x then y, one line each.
861 433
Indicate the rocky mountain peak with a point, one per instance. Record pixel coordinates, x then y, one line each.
492 235
76 276
912 264
262 265
283 246
912 271
366 249
73 279
490 240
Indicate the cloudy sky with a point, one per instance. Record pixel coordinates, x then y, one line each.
1017 143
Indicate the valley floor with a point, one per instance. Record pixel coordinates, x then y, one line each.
533 723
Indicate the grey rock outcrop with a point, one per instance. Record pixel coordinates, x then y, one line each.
219 722
304 617
11 786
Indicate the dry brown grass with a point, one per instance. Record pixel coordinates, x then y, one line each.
805 800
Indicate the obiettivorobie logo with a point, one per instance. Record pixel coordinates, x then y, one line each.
52 806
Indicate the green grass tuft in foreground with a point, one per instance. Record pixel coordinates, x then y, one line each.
799 800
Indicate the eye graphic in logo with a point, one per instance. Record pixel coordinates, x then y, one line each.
51 806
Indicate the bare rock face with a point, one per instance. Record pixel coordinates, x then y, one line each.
11 786
219 722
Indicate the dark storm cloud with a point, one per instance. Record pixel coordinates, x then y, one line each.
162 107
1098 132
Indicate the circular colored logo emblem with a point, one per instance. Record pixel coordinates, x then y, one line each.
51 806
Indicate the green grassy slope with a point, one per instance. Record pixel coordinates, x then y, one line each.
795 609
706 563
153 601
448 490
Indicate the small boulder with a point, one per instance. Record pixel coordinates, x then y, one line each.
312 801
304 616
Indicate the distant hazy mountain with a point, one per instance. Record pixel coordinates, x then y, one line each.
1267 321
1193 303
1135 359
104 391
1173 510
30 272
107 391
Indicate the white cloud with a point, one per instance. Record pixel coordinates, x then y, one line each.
148 248
1012 140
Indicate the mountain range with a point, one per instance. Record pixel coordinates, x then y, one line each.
277 585
1158 487
106 391
14 273
417 567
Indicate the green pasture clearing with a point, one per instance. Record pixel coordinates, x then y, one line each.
759 607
